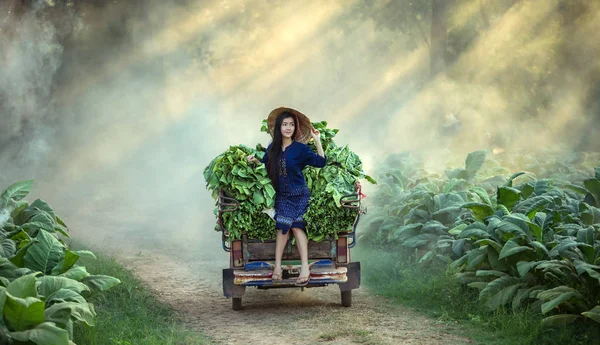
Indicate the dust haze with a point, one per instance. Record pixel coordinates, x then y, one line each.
115 108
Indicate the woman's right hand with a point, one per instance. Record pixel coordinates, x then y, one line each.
251 158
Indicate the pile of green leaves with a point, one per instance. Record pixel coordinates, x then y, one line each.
328 185
43 292
249 184
524 242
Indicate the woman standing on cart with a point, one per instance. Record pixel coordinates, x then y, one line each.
286 157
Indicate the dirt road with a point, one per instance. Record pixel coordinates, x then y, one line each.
281 316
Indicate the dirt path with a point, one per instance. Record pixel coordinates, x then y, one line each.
281 316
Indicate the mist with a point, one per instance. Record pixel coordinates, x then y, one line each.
115 108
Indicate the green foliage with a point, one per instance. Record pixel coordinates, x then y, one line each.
250 185
43 292
532 245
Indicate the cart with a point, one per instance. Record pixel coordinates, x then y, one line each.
251 261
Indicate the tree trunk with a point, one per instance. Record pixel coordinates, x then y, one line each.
439 23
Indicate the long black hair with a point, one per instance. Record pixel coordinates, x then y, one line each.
275 151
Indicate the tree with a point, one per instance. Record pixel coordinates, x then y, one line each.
440 10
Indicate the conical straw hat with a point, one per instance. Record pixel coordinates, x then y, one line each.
303 125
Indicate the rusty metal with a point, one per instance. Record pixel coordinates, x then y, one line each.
227 204
353 276
352 200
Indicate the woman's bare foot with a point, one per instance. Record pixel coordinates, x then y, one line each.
303 277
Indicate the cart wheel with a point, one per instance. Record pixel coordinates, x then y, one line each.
347 298
236 303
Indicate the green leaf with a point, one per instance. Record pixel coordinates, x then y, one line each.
43 334
504 296
587 235
44 253
557 296
530 206
509 183
508 230
84 254
563 247
508 196
16 191
591 215
527 190
480 211
576 188
558 321
62 230
540 248
51 284
7 268
593 186
525 266
98 283
405 232
61 222
459 173
448 215
18 208
18 259
524 294
454 184
76 273
258 198
475 257
490 273
482 194
474 161
35 208
489 242
457 229
68 260
420 240
478 285
79 311
541 186
434 227
7 248
370 179
23 313
511 248
498 285
593 314
474 233
22 287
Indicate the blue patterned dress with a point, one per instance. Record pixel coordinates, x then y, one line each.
292 194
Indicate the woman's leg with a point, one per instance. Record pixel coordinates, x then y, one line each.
280 243
302 243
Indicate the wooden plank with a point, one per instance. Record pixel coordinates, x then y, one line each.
261 251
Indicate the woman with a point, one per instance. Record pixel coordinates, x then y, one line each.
286 157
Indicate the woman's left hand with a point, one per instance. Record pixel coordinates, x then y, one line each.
316 134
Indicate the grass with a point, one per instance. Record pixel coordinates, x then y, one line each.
433 291
129 314
354 336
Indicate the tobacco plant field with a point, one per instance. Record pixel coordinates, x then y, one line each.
522 230
43 291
